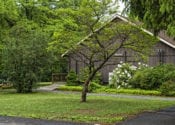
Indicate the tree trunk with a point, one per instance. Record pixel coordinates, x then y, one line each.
85 90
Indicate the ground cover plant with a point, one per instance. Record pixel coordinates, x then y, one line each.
56 106
108 90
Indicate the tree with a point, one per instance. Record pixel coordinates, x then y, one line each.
155 14
28 27
24 55
104 39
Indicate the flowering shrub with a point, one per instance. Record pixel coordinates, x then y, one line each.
142 66
121 75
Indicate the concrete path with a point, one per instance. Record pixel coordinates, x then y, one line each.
161 117
51 87
6 120
147 97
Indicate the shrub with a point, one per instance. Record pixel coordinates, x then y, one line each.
170 75
26 84
168 88
152 78
71 79
94 86
84 74
121 76
142 79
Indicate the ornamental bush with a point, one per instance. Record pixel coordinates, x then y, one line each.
121 75
84 74
142 79
152 78
72 79
94 86
168 88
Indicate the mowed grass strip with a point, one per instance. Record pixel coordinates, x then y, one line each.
56 106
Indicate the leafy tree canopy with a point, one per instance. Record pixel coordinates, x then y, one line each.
26 28
156 14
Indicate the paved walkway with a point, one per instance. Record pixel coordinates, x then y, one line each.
51 87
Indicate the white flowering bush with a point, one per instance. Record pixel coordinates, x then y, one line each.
142 66
121 75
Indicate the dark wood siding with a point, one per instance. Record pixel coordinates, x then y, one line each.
161 53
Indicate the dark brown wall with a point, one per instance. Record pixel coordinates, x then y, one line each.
161 53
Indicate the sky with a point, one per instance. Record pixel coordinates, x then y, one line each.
121 7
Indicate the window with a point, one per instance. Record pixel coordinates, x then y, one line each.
161 56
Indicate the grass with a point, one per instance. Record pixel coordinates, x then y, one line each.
40 84
56 106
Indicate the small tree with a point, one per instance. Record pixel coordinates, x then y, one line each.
24 55
104 40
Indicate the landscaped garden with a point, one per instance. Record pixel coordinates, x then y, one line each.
39 38
129 79
141 80
56 106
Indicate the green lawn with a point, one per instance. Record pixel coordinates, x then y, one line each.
58 106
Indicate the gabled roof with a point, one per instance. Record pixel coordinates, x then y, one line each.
161 36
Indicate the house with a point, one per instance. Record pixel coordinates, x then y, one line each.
163 52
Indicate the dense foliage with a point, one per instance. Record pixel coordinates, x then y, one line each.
26 29
153 77
161 77
84 74
156 14
72 79
168 88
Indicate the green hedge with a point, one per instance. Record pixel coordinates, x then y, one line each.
70 88
128 91
112 91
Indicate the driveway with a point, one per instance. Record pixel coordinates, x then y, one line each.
161 117
6 120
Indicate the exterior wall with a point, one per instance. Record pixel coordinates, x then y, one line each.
167 56
161 53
